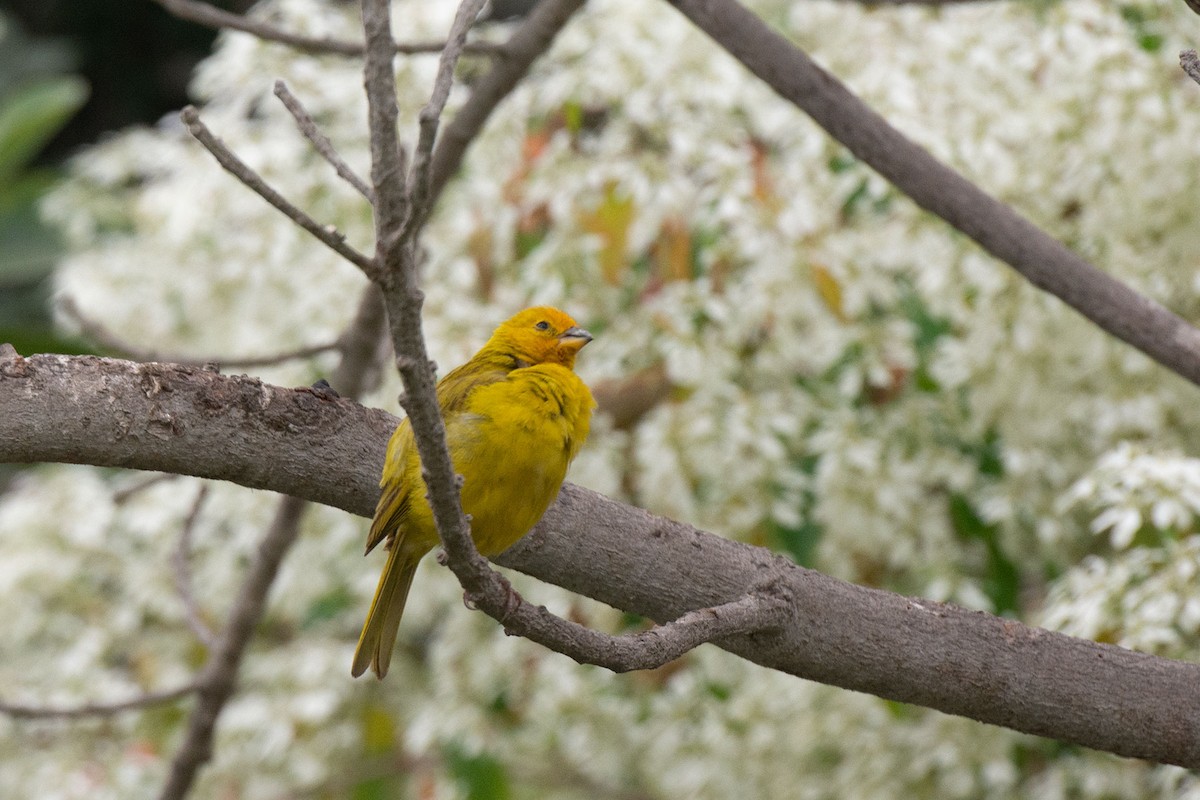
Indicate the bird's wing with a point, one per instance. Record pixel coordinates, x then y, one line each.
455 389
396 497
453 392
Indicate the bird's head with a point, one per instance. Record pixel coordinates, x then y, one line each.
540 335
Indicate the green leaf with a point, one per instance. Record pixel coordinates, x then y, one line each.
328 606
573 116
29 248
481 776
1001 581
32 115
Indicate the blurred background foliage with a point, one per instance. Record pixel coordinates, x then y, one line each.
71 71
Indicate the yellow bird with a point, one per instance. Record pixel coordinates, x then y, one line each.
516 414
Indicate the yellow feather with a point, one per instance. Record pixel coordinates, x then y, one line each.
516 415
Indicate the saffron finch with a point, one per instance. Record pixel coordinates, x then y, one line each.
515 414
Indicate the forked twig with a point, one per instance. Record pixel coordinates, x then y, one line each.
328 234
320 141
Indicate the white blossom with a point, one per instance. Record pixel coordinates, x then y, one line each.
847 376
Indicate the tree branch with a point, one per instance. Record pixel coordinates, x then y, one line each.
525 46
328 234
218 680
1188 59
319 140
213 17
97 709
106 412
115 345
419 197
1041 259
181 571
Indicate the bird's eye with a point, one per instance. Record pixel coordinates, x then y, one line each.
543 326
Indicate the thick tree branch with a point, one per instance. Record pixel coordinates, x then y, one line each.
1042 260
1189 61
152 416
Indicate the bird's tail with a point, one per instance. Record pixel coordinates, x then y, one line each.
378 637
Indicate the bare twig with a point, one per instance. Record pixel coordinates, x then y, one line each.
326 233
418 190
123 495
387 176
759 612
218 679
1188 58
527 44
320 141
183 574
108 340
96 709
212 17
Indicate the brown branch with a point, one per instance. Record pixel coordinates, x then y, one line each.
761 611
626 400
115 345
1188 59
218 680
141 485
387 175
361 344
1001 231
527 44
320 141
419 197
328 234
96 709
213 17
181 571
180 419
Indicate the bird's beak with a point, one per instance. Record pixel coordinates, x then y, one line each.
574 338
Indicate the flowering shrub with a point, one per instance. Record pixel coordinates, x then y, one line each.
852 383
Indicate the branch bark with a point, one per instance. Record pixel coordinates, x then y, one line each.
1041 259
179 419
